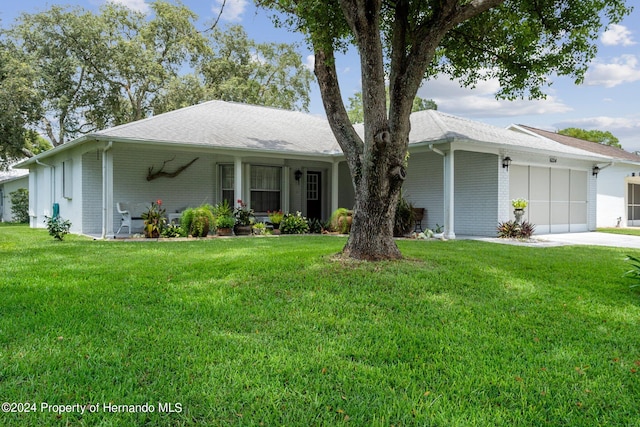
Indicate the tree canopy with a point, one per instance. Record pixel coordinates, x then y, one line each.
356 112
518 42
599 136
67 71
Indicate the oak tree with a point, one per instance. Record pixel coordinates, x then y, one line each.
519 42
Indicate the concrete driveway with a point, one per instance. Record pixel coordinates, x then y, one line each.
560 239
592 238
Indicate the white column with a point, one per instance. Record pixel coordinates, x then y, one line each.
335 187
237 181
449 197
285 194
107 191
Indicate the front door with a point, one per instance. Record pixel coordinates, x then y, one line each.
314 195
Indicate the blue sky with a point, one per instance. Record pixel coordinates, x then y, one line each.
607 100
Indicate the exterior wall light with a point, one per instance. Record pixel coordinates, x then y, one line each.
595 171
506 162
297 175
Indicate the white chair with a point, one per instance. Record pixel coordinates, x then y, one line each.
125 221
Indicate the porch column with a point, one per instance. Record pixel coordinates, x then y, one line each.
449 196
107 191
237 181
334 185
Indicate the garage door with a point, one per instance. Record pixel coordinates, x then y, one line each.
557 197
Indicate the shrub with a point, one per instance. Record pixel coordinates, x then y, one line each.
515 230
225 221
315 225
294 224
57 226
202 222
20 205
173 230
259 228
341 220
186 219
222 209
634 273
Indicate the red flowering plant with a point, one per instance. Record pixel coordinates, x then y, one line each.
154 219
244 216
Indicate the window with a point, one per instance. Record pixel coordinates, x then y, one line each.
67 180
227 184
313 186
265 188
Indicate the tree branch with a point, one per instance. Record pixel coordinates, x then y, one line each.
348 139
153 175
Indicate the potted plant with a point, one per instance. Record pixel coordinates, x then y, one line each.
244 219
225 225
202 222
154 220
519 205
341 220
260 229
275 218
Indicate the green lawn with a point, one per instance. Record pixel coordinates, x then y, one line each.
272 331
628 231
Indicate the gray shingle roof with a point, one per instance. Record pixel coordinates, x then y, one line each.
233 125
435 126
605 150
12 174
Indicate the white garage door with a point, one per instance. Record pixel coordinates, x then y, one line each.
557 197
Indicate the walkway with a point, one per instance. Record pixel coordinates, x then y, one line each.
588 238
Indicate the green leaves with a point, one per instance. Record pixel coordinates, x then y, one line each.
634 273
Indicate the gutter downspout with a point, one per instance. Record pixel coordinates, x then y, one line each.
436 150
105 187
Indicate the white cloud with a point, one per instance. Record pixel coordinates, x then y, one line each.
623 69
232 10
137 5
480 101
617 35
310 62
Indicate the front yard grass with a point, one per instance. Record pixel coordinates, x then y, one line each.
627 231
272 331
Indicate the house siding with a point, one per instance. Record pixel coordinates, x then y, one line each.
476 193
194 186
6 188
92 192
424 186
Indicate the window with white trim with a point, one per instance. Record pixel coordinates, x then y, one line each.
227 184
266 186
67 179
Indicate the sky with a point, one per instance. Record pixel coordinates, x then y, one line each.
607 100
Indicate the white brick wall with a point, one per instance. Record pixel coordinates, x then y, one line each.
476 185
92 192
424 186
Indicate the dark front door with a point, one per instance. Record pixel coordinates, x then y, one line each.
314 195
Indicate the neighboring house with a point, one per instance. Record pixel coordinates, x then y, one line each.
10 181
618 183
275 159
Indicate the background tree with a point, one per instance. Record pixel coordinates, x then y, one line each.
77 72
94 71
239 69
519 42
356 111
599 136
19 106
